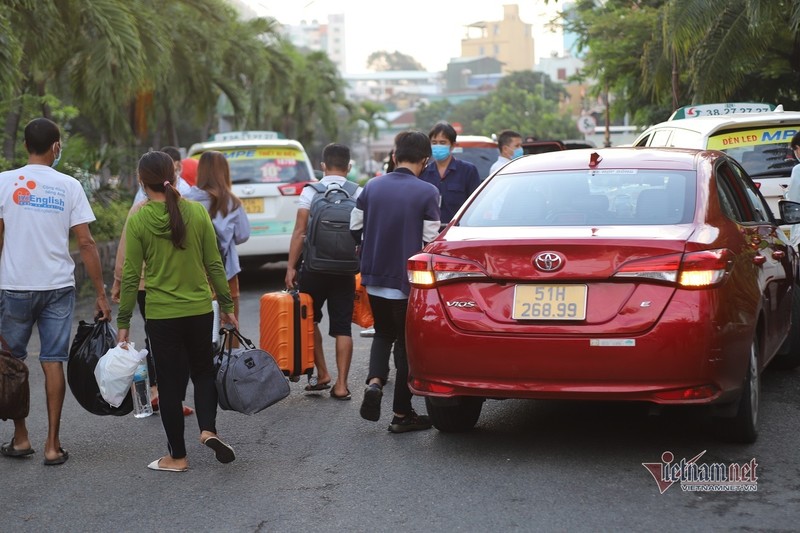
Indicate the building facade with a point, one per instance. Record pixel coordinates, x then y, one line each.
325 37
510 41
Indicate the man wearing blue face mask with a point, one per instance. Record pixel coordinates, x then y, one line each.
455 179
509 142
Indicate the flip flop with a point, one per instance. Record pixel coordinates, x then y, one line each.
60 460
8 450
222 451
156 465
318 387
343 397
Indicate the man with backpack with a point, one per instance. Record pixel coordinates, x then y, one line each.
322 234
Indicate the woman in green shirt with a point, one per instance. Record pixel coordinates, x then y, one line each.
175 240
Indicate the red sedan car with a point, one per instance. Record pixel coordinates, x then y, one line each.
614 274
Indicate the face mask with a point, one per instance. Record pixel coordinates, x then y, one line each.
440 152
54 164
516 153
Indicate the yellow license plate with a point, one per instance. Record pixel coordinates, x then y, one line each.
253 205
549 302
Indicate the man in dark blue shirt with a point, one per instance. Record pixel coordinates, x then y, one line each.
454 178
395 216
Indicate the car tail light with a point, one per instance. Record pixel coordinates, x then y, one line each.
697 270
661 268
428 270
292 189
706 268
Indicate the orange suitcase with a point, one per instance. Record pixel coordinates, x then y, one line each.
287 331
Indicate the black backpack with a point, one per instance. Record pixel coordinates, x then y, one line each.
329 246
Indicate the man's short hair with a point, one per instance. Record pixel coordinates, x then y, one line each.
795 141
411 147
505 138
336 156
40 134
173 152
445 129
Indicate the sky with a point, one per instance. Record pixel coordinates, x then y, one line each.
429 31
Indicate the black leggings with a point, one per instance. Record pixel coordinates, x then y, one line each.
182 349
390 329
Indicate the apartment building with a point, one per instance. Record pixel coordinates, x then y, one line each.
510 41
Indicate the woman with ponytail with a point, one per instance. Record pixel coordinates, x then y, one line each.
175 240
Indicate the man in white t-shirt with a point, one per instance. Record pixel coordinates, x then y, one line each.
38 208
337 289
509 142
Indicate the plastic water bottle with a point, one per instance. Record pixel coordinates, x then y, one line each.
141 392
215 325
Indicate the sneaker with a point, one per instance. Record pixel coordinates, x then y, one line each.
369 332
371 405
410 422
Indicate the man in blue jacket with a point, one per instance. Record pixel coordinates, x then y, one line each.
455 179
394 217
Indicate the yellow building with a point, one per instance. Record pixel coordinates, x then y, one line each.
508 40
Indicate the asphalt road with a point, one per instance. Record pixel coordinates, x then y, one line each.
311 463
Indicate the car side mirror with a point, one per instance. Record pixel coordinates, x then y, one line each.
790 211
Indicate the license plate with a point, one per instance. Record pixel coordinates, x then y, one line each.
549 302
253 205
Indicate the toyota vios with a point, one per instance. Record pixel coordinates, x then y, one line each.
654 275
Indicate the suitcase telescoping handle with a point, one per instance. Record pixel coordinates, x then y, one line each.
228 332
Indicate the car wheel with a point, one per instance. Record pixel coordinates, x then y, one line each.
788 356
456 417
743 427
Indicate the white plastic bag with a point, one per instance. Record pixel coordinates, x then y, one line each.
114 372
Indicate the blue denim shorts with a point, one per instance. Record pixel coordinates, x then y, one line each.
50 310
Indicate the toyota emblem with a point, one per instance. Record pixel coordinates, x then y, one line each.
548 261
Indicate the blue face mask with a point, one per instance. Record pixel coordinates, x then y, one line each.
440 152
54 164
516 153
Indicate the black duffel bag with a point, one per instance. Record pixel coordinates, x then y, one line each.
91 342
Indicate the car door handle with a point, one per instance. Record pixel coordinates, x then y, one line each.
778 254
759 259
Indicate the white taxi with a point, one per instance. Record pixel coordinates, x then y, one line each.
756 135
268 174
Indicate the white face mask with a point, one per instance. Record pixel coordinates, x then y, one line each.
54 164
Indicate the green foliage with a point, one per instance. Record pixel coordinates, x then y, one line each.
382 60
132 74
653 55
523 101
110 219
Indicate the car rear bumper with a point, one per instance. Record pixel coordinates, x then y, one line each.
675 362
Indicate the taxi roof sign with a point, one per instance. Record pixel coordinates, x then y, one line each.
720 110
247 136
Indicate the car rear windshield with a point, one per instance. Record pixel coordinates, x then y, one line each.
763 152
482 158
579 198
267 165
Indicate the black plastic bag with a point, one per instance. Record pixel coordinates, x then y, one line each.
15 396
91 342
